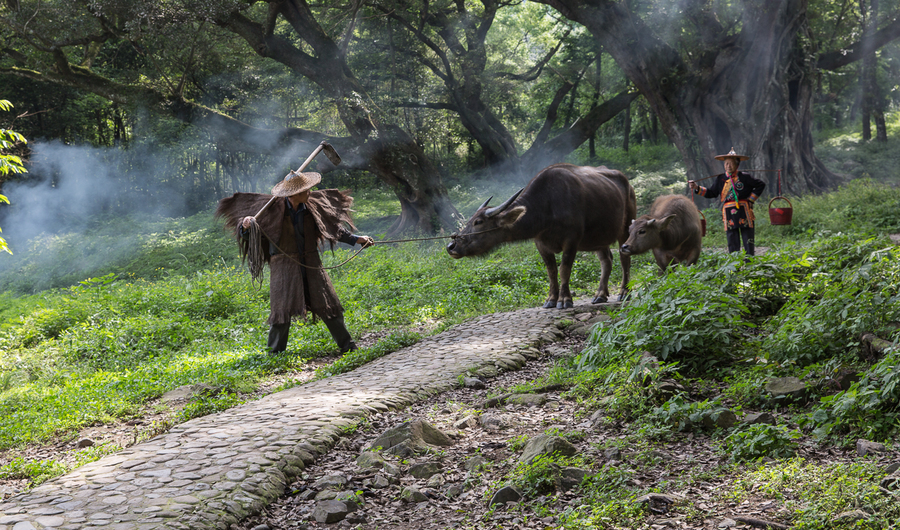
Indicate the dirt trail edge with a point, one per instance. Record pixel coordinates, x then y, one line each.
213 471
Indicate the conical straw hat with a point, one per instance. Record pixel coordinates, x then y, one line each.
295 183
732 154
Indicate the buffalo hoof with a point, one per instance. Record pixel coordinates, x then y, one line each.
549 304
600 300
564 305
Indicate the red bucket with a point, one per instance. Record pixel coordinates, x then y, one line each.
702 223
781 216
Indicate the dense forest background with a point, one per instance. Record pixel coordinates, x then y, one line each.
140 115
165 107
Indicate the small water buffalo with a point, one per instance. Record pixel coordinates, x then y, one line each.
671 230
565 208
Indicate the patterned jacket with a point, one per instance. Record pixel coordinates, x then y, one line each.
737 195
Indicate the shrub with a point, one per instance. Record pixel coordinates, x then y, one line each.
851 286
538 476
869 408
859 206
683 313
683 415
759 440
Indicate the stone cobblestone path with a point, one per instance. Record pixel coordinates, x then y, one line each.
213 471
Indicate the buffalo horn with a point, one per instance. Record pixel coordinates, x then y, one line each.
497 209
485 203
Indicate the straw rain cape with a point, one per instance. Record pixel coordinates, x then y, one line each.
327 219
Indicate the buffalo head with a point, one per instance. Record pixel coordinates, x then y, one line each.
644 234
488 228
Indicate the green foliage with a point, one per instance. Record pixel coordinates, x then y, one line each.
35 471
861 206
8 140
686 313
814 494
745 384
517 443
142 248
39 471
761 440
851 286
646 158
9 163
797 310
94 453
681 415
208 404
357 358
847 154
538 476
869 408
612 388
609 500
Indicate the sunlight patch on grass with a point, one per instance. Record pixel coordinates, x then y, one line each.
813 494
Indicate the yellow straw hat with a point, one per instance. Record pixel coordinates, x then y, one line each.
295 183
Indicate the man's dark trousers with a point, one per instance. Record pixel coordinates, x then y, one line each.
278 335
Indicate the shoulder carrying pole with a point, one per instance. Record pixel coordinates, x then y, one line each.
254 253
332 155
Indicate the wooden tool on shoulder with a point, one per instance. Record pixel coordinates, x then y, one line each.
254 252
330 153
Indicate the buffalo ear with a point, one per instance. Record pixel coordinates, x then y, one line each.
511 216
664 222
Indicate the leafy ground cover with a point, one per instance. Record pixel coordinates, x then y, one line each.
101 348
712 476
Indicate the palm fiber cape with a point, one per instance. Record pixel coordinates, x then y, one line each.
329 216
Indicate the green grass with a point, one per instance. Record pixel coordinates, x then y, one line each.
98 351
137 248
94 326
847 154
815 494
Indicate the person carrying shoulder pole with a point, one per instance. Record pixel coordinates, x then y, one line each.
738 191
292 226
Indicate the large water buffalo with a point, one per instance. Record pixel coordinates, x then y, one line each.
671 230
566 209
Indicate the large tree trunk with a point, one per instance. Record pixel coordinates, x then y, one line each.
399 164
752 90
872 100
310 51
389 151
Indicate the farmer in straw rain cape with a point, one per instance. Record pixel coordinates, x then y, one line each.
292 228
738 191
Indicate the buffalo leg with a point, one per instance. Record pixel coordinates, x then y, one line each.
552 275
605 257
663 259
565 272
626 275
692 256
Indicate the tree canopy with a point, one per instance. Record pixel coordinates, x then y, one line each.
418 92
722 74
